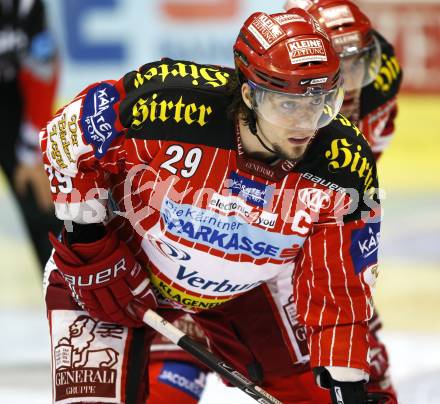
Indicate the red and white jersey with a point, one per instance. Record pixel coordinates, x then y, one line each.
378 110
208 222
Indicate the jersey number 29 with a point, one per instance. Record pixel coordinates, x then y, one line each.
190 161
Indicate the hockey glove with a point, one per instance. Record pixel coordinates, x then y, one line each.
341 392
103 276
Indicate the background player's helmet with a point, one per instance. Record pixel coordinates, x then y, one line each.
289 55
351 35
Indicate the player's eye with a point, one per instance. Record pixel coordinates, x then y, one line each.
289 105
316 101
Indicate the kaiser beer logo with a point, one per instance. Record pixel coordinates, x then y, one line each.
99 118
306 50
369 244
364 246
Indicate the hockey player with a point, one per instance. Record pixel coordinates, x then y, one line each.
370 102
370 99
220 182
28 77
372 79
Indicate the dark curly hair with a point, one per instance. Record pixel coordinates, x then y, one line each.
237 107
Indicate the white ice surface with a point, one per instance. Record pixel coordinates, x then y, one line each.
25 377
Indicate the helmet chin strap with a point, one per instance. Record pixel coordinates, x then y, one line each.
256 128
255 133
261 141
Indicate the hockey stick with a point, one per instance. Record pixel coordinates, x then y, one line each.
168 330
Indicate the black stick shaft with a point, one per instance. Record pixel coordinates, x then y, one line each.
208 358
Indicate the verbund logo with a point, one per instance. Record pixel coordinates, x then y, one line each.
200 9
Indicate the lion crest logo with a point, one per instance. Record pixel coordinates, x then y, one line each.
80 349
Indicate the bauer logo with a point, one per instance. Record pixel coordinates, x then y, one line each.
251 191
306 50
266 30
335 16
99 118
86 367
364 246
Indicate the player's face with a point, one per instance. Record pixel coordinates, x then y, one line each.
289 144
353 71
358 70
287 121
281 129
291 112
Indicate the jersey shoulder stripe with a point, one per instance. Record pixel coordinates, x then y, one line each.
175 100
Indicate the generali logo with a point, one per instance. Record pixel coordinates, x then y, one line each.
83 366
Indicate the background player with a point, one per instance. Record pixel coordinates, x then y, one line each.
28 78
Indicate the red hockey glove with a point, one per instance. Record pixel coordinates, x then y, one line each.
380 390
378 359
104 276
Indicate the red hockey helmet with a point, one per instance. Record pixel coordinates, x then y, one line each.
289 54
352 38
